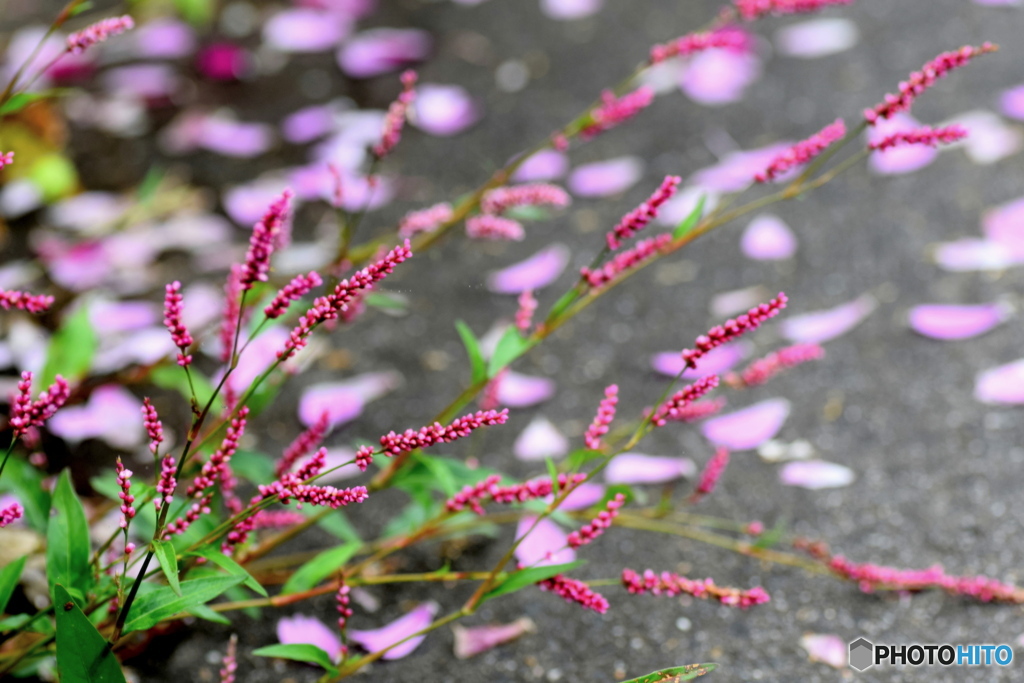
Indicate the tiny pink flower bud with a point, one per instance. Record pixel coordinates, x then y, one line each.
124 481
173 322
265 236
637 219
729 37
33 303
624 260
604 417
342 599
6 159
293 291
486 226
364 456
98 32
154 428
802 152
167 483
616 110
527 306
597 525
502 199
733 329
11 514
755 9
921 136
754 528
129 549
712 473
669 410
230 662
424 220
559 142
394 121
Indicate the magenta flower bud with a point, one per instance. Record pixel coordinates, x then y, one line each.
424 220
364 456
303 444
173 322
124 481
604 417
712 473
98 32
342 600
154 428
755 9
486 226
537 488
574 590
624 260
754 528
472 495
669 410
394 121
616 110
733 329
637 219
6 159
921 136
597 525
671 584
396 444
728 37
265 236
167 483
33 303
501 199
26 413
293 291
230 662
527 306
129 549
11 514
313 466
802 152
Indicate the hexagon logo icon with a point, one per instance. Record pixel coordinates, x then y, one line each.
862 654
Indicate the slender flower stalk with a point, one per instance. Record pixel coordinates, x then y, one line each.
265 237
713 471
230 320
395 444
33 303
921 136
293 291
669 410
97 33
124 482
574 590
26 413
804 151
597 526
728 37
733 329
229 665
424 220
501 199
603 418
6 159
755 9
671 584
624 260
394 121
154 428
527 307
11 514
303 444
920 81
762 370
637 219
616 110
173 310
487 226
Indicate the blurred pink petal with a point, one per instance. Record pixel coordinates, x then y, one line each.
817 38
163 39
678 208
344 400
730 303
717 77
971 253
826 648
144 347
816 474
305 30
192 232
545 545
957 322
1004 224
583 496
232 138
547 164
316 181
989 138
259 355
308 124
204 303
110 414
1011 102
998 3
142 81
570 9
403 627
540 440
21 46
353 9
470 642
300 629
381 50
523 391
1003 384
108 317
87 212
821 326
443 110
767 238
897 160
604 178
222 61
634 468
246 204
736 171
79 267
747 428
714 362
536 272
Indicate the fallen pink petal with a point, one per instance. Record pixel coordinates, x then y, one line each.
540 440
383 50
678 208
1004 225
565 10
816 474
718 77
585 495
534 273
821 326
989 139
399 629
547 164
972 253
636 468
471 641
443 110
606 178
768 238
715 362
827 648
1011 102
736 170
344 400
1001 385
749 427
309 631
522 391
544 545
817 38
957 321
902 159
110 414
305 30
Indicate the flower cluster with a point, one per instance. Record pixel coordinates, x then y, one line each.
596 527
693 412
713 471
288 487
803 151
920 81
637 219
872 576
154 428
501 199
763 369
197 509
27 413
173 311
342 600
668 583
33 303
11 514
293 291
215 467
670 409
755 9
167 483
303 444
474 496
124 482
728 37
266 234
424 220
486 226
395 444
574 590
615 110
230 662
82 40
364 456
394 121
527 307
6 159
624 260
733 329
603 418
921 136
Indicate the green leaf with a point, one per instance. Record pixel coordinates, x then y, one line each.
21 100
67 540
335 523
171 376
163 603
165 554
511 346
389 302
9 580
772 536
528 577
564 302
552 472
690 221
71 349
147 189
676 674
83 655
476 357
320 567
442 473
26 482
204 612
577 459
255 467
213 554
300 652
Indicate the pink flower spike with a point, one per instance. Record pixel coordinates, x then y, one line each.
669 410
637 219
82 40
489 227
6 159
214 468
733 329
604 417
293 291
574 590
232 311
124 481
11 514
502 199
154 428
364 456
173 322
26 413
425 220
396 444
921 136
762 370
473 495
230 663
920 81
671 584
802 152
623 261
615 110
755 9
303 444
527 306
729 38
33 303
167 482
266 234
597 525
394 121
342 600
712 473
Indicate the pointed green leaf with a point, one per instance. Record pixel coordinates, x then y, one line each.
300 652
319 568
231 567
165 554
204 612
552 472
163 603
9 578
690 221
67 540
528 577
676 674
71 350
83 655
477 363
511 346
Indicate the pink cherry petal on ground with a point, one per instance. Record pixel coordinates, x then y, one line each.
956 321
110 414
816 38
1001 385
736 170
80 267
300 629
1004 224
545 545
344 400
902 159
305 30
144 347
308 124
718 77
193 232
522 391
821 326
540 440
1011 102
749 427
474 640
259 355
826 648
635 468
768 238
88 212
382 50
678 208
971 253
337 457
204 303
816 475
547 164
316 182
353 9
605 178
399 629
111 317
727 304
535 273
583 496
142 81
228 137
163 39
989 139
565 10
443 110
714 362
246 204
